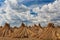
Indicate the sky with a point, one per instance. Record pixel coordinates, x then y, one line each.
29 12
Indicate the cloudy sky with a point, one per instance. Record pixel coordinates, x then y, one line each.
30 12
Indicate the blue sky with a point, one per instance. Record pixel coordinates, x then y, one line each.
29 11
30 2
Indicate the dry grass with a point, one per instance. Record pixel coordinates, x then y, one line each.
7 38
35 32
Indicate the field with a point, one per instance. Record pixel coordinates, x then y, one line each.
35 32
7 38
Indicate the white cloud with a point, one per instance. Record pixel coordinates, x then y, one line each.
15 13
49 12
